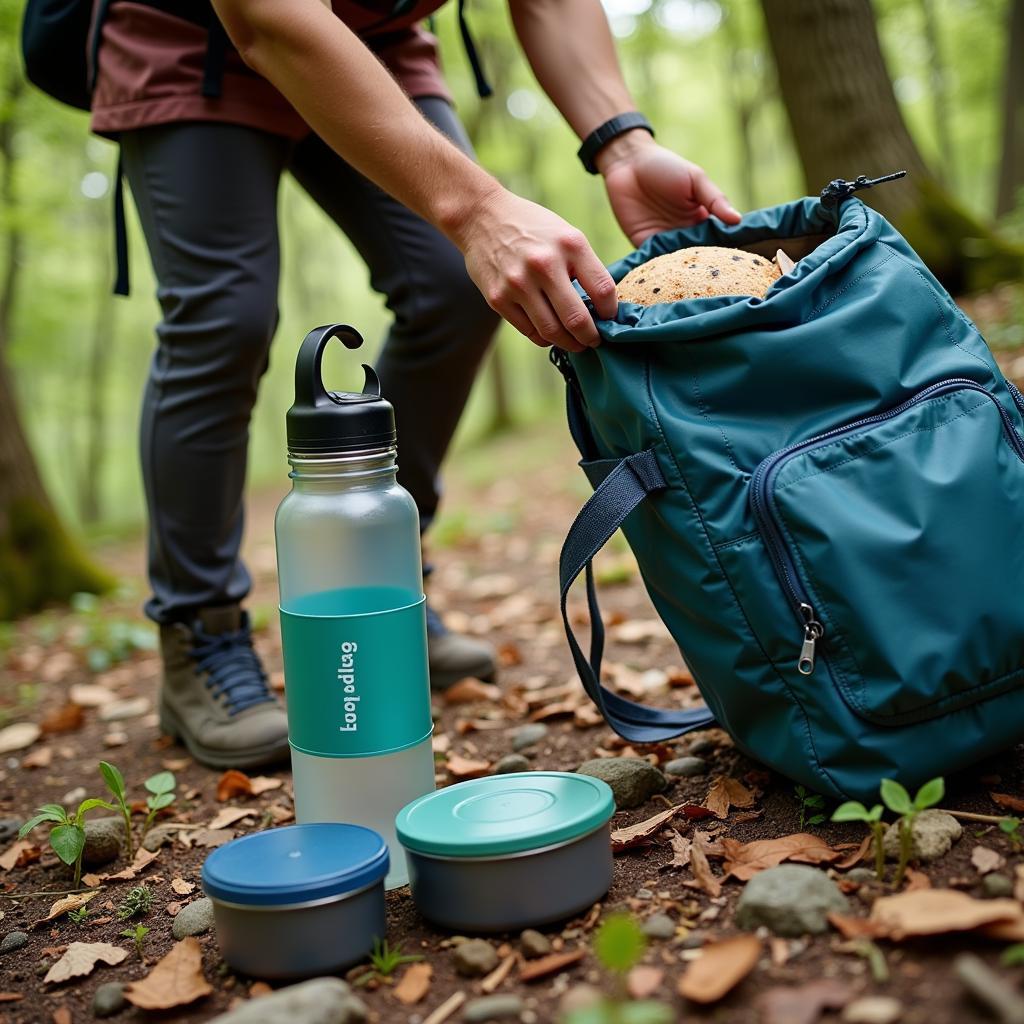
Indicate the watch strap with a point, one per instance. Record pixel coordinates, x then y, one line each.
604 133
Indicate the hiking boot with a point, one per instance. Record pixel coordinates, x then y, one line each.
215 697
452 656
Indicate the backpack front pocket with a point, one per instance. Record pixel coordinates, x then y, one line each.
898 542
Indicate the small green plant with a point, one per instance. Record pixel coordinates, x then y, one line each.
67 837
384 961
811 806
115 783
79 915
1011 828
854 811
137 935
136 902
897 799
1013 956
161 788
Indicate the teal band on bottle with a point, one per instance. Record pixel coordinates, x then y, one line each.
357 685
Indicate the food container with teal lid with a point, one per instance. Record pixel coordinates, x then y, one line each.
509 851
298 901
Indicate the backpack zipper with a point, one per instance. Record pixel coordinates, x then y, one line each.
762 503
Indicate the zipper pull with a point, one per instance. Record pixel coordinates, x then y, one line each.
839 189
813 632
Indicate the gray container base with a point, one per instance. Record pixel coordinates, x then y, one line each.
300 941
522 890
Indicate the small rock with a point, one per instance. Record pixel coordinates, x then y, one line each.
579 997
18 736
109 999
873 1010
659 926
692 941
488 1008
160 835
320 1001
995 886
704 746
529 734
512 763
73 797
119 710
9 829
533 944
644 894
13 941
633 780
102 841
687 767
933 834
992 990
474 958
194 919
861 875
115 738
791 900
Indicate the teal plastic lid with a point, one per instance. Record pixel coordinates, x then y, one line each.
505 814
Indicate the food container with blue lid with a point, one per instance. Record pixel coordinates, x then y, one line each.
509 851
298 901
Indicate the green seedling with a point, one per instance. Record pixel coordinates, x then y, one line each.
136 902
115 783
161 788
811 806
1013 956
854 811
137 935
79 915
897 799
384 961
1011 828
67 837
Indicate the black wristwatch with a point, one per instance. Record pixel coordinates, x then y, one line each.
604 134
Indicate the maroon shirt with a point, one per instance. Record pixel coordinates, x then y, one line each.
151 70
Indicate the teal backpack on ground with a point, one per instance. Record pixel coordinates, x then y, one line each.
824 490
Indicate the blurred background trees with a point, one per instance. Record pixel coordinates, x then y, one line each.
774 97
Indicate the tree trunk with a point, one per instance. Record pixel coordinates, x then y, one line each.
939 75
846 121
1011 166
744 105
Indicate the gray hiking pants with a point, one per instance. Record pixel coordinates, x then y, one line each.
207 198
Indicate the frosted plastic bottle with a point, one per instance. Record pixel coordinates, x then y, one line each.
352 609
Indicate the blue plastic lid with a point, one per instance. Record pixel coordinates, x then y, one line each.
505 814
295 864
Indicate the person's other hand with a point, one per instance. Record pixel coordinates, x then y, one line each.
523 259
652 189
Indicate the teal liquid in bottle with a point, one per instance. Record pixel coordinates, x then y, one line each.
352 609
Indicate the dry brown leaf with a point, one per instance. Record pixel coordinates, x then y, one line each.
81 958
643 981
726 793
143 858
720 967
62 1015
638 631
856 856
586 716
702 876
176 980
67 718
460 767
173 908
550 964
233 783
72 902
803 1004
744 860
280 814
260 784
560 709
19 854
916 880
414 984
680 851
183 888
471 691
937 911
986 860
642 832
41 757
208 838
1011 803
853 927
227 816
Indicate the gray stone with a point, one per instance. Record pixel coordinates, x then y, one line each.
73 797
659 926
103 838
791 899
873 1010
993 991
9 828
320 1001
488 1008
861 875
512 763
13 941
687 767
933 834
474 958
703 746
533 944
194 919
529 734
160 835
633 780
996 886
120 710
579 997
109 999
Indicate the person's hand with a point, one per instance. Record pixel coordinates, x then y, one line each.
652 189
523 259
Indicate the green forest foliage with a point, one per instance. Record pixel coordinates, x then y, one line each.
700 69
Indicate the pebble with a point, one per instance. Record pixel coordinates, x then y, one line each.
320 1001
474 958
579 997
9 828
160 835
933 834
861 875
996 886
119 710
692 941
115 738
13 941
659 926
73 796
512 763
633 780
990 989
687 767
704 746
873 1010
109 999
534 944
791 900
529 734
488 1008
18 736
194 919
102 841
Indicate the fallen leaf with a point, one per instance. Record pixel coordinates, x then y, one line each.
74 901
176 764
916 880
803 1004
174 908
720 967
62 1015
460 767
702 876
41 757
744 860
260 784
986 860
586 716
208 838
550 964
176 980
279 815
19 854
81 958
18 736
857 855
227 816
642 832
143 858
853 927
560 709
639 631
937 911
414 984
233 783
470 691
680 851
1011 803
643 981
726 793
90 695
67 718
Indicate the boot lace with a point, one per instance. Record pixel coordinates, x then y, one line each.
232 667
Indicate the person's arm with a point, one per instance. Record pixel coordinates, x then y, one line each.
570 48
521 256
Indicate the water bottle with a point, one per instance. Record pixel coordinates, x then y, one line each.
353 623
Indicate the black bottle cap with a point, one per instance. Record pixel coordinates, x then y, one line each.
323 422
